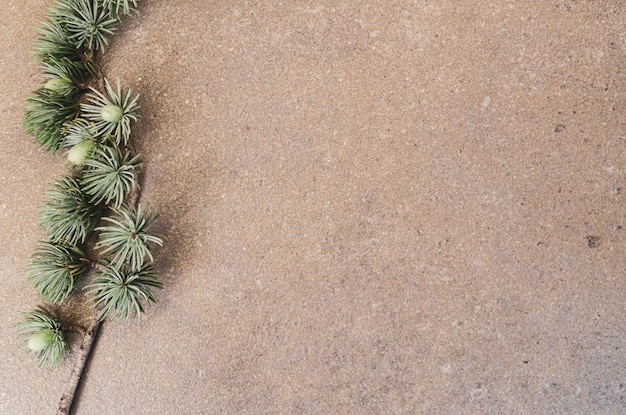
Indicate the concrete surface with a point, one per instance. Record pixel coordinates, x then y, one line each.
371 207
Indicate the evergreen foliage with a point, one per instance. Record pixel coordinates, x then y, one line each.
118 292
109 174
55 269
69 215
50 349
127 238
75 74
86 23
47 114
113 112
54 44
68 112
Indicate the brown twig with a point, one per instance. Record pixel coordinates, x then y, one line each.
89 335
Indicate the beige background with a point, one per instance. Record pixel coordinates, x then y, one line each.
370 207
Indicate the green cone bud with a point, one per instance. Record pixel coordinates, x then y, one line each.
59 85
79 153
40 340
111 113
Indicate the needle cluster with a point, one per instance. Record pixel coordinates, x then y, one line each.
69 215
119 292
111 114
55 268
109 175
45 336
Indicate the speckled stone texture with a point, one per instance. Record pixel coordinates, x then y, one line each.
370 207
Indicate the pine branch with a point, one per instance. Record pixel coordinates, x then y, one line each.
106 172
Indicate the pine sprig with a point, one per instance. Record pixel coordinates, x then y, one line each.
46 114
127 238
109 174
45 337
65 75
87 24
55 268
69 215
112 113
97 127
119 292
54 44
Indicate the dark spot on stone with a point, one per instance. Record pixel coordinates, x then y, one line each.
593 241
559 128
